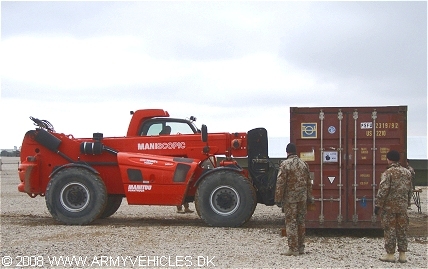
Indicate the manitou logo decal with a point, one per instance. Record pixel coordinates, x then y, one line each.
139 188
165 145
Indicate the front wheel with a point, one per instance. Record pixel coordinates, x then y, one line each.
113 204
76 196
225 199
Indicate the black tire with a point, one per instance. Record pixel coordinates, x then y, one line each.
76 196
225 199
113 204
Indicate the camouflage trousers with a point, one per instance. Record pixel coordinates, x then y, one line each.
395 231
295 214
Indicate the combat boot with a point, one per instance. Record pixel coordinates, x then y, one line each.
290 253
301 250
402 257
187 210
388 258
180 210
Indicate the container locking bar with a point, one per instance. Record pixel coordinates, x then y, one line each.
321 117
340 117
355 216
374 117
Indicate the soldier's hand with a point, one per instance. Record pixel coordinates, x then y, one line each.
310 200
376 210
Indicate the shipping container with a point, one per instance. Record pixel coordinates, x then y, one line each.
345 148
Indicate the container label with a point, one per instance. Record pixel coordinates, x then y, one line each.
366 125
307 156
331 130
309 130
329 156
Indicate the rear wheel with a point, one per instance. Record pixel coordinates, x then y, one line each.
113 204
76 196
225 199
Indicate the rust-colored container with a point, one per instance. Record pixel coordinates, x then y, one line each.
346 149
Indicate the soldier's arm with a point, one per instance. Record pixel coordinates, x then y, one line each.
383 190
410 192
310 198
280 182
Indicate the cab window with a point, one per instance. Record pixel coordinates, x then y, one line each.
153 128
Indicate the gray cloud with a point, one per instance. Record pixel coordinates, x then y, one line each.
246 55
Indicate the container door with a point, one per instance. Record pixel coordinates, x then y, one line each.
321 144
361 168
371 134
346 151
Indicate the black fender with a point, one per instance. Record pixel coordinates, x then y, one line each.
218 169
70 165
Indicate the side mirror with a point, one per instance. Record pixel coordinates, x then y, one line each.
204 133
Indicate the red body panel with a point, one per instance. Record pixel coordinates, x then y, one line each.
155 180
347 159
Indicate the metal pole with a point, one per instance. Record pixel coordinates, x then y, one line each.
374 117
340 117
321 117
355 217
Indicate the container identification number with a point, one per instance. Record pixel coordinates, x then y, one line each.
378 133
379 125
386 125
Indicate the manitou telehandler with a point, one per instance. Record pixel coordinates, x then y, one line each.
161 161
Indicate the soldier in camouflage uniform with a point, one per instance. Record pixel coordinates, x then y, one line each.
392 200
293 190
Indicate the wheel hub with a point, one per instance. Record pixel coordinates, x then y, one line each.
74 197
224 200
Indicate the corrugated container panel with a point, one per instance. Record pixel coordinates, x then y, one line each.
346 149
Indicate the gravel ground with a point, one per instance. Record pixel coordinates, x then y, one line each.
153 236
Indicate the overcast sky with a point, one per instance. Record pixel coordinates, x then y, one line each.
234 65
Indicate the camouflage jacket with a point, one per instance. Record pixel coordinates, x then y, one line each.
294 182
412 172
395 189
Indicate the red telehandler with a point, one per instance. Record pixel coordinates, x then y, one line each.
161 161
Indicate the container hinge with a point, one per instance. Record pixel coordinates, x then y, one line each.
374 114
321 219
339 219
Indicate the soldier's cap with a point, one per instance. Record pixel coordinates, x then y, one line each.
291 148
393 155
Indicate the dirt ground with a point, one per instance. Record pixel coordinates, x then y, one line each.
27 228
418 226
